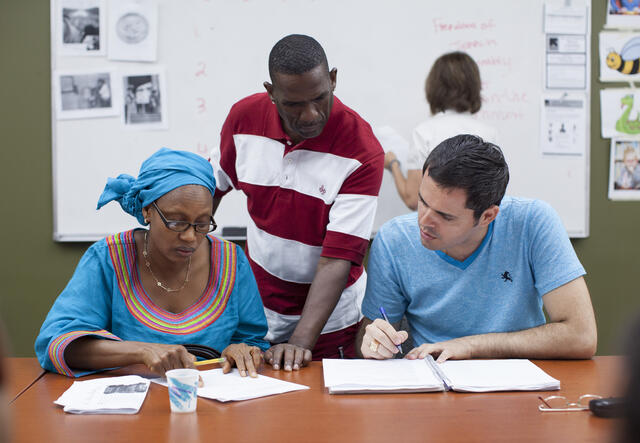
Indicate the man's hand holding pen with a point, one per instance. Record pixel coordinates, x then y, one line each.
381 340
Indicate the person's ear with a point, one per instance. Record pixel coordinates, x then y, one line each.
269 87
333 75
146 213
489 215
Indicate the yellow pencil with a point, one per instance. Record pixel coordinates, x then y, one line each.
209 362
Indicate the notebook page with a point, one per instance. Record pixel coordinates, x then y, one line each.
378 375
497 375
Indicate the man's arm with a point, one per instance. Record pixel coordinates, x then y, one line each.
326 288
384 336
570 333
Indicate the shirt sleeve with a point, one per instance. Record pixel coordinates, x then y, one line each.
383 288
252 323
223 159
553 260
352 213
82 309
418 151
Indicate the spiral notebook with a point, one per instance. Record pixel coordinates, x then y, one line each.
401 375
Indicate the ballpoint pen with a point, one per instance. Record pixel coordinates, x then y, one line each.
384 315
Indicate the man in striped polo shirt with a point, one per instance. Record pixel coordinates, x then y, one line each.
311 169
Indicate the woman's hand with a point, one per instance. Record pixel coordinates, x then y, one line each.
246 358
388 158
161 358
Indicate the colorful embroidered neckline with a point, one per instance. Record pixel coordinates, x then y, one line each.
198 316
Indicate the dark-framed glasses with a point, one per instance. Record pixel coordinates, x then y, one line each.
559 403
182 226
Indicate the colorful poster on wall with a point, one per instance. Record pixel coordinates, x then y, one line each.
620 113
623 14
624 170
619 56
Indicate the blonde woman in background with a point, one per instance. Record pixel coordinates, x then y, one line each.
453 92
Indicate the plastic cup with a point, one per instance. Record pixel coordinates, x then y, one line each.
183 389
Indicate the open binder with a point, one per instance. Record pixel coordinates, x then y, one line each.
402 375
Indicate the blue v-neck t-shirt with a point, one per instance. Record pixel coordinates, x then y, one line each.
525 254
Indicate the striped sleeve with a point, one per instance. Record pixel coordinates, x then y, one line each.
223 159
82 309
353 211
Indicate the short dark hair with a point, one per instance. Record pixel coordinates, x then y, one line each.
454 83
468 162
296 54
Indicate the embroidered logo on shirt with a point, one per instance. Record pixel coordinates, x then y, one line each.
322 190
506 276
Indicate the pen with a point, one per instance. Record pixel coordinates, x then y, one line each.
545 403
209 362
384 315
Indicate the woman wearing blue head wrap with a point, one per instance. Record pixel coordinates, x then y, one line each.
137 296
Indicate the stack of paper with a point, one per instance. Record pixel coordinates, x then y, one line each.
363 376
497 375
233 387
114 395
401 375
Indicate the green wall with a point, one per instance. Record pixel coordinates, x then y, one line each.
34 269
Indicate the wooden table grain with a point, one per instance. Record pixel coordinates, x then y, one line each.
315 416
21 373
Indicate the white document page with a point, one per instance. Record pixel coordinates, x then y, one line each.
112 395
497 375
395 375
233 387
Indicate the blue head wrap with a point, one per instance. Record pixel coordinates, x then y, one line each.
163 172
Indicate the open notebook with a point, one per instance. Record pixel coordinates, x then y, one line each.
401 375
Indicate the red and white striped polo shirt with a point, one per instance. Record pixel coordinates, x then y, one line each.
317 198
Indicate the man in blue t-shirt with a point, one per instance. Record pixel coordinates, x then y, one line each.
472 270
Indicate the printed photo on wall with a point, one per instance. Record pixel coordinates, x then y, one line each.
133 30
85 94
623 14
144 104
620 113
624 171
619 56
81 27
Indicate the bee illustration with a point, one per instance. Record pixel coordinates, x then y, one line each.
628 60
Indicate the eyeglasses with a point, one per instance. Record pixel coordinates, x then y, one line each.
182 226
558 403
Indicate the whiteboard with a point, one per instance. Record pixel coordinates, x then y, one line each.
214 52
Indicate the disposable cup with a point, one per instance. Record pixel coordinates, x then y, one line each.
183 389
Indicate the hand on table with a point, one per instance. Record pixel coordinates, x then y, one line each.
456 349
288 356
246 358
380 340
161 358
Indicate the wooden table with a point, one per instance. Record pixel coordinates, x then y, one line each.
314 415
21 373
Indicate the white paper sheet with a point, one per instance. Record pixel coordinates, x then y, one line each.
497 375
563 124
395 375
233 387
112 395
133 30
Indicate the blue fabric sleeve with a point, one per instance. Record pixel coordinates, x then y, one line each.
383 288
553 260
252 323
83 308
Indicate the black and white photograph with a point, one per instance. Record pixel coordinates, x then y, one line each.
81 27
144 100
624 172
85 94
133 30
